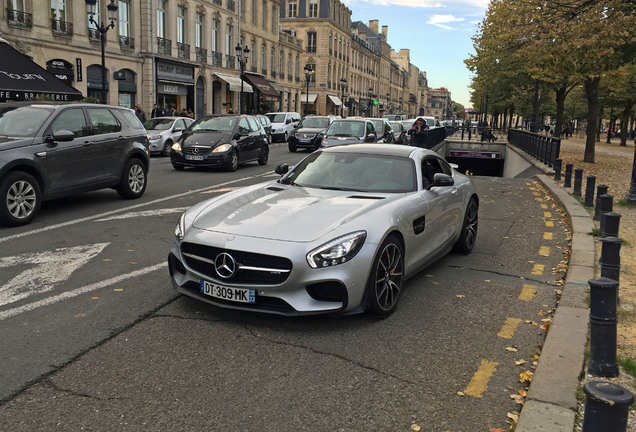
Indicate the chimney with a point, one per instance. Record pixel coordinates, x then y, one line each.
385 32
373 25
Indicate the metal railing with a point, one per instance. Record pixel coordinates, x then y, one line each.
164 46
63 28
94 35
230 62
544 148
17 18
183 50
127 42
217 58
231 6
202 54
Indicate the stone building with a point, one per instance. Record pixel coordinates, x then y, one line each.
439 104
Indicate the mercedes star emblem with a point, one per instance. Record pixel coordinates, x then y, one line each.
225 265
195 150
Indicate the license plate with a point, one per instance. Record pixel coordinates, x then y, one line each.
194 157
304 140
243 295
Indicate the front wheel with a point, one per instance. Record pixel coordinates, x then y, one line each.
468 236
387 274
167 147
21 199
292 148
133 181
232 163
264 156
286 137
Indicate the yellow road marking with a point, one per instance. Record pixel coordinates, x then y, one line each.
528 292
479 382
509 328
544 251
547 214
548 236
538 269
549 224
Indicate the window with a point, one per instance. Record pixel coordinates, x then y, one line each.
124 18
254 12
253 57
243 126
292 9
274 23
264 17
71 120
229 45
280 62
311 42
18 5
161 19
313 8
198 31
289 65
215 35
181 24
103 121
55 4
263 56
254 124
272 60
58 8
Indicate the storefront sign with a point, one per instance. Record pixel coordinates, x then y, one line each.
173 72
78 64
168 88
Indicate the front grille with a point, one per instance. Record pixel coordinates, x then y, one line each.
201 151
282 266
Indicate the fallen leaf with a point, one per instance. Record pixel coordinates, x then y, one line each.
497 430
460 296
94 298
514 416
512 348
518 399
106 259
526 376
435 283
487 280
520 362
460 393
415 427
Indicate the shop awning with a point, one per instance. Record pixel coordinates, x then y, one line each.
336 101
268 92
278 88
312 98
23 79
234 82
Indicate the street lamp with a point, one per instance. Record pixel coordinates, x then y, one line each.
370 102
308 72
343 86
388 103
242 54
91 6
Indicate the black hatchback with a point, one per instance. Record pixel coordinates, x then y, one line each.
221 141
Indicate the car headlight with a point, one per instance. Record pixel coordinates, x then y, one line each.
179 230
155 137
337 251
176 147
222 148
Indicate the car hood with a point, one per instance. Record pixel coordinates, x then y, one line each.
286 213
334 140
189 139
7 143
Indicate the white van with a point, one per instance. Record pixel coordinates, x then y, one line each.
283 124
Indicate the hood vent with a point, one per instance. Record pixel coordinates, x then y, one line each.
369 197
275 188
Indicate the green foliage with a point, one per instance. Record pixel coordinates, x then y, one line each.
628 364
92 100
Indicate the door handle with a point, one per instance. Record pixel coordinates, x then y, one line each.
454 191
87 143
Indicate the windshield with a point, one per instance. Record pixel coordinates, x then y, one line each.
158 124
276 118
214 124
396 126
22 121
346 129
378 125
354 172
313 122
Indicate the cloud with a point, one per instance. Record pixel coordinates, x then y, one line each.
442 20
482 4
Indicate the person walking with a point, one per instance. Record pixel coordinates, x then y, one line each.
419 133
140 113
156 112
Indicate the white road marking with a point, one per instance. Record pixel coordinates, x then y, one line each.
145 213
79 291
46 269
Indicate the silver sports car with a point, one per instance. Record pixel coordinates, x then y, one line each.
338 233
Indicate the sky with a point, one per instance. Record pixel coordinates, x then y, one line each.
437 32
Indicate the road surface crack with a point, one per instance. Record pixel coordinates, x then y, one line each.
49 383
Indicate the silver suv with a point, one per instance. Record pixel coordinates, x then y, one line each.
51 151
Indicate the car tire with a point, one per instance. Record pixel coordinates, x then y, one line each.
166 148
292 148
21 198
178 167
286 136
385 280
264 156
232 163
468 236
134 180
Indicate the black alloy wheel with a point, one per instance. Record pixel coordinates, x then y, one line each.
233 161
386 278
264 156
468 236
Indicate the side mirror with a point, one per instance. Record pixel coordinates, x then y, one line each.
288 121
177 130
440 179
61 135
370 138
282 169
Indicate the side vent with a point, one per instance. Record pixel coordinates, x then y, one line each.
419 225
275 188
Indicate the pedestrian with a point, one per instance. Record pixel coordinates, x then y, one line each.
230 111
173 111
190 113
183 113
156 111
140 113
418 133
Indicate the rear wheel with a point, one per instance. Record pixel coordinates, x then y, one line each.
387 274
264 156
468 236
133 181
21 198
232 163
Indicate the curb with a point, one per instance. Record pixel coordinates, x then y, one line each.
551 403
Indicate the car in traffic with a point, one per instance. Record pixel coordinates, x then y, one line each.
349 131
399 133
221 141
283 124
309 133
383 130
267 125
378 215
165 131
51 151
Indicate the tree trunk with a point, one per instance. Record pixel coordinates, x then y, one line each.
625 122
561 93
591 85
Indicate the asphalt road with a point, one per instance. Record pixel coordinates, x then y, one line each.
95 338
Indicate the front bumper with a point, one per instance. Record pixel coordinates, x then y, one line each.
312 143
156 146
209 159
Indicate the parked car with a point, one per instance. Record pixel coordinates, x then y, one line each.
50 151
267 126
221 141
349 131
399 133
283 124
383 130
366 205
309 133
165 131
394 117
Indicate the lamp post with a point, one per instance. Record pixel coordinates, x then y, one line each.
242 54
387 108
343 86
370 102
308 72
91 6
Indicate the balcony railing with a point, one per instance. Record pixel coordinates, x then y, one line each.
217 58
94 35
202 54
164 46
231 5
62 28
229 62
218 2
263 71
183 50
127 42
273 74
253 69
282 75
21 19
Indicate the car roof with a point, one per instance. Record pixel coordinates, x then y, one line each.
379 149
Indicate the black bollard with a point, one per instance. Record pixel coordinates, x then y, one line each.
603 299
611 258
578 182
606 407
568 175
557 169
463 128
589 191
600 190
607 203
612 221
